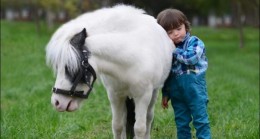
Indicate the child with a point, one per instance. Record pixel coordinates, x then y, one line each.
186 84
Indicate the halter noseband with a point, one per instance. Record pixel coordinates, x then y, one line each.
86 71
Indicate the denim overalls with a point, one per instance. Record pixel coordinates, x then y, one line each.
189 101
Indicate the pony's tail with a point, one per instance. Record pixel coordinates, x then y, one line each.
130 119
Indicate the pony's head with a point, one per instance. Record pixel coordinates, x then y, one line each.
74 75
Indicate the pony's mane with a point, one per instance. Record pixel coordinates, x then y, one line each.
59 51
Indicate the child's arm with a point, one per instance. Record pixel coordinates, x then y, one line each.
166 92
192 54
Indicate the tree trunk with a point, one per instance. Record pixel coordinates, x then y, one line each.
50 18
240 25
36 20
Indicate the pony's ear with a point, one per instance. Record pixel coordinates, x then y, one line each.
78 40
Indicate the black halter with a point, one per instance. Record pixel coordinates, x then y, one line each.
86 71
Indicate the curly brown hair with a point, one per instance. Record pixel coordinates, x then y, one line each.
172 19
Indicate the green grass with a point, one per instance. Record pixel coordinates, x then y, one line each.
26 111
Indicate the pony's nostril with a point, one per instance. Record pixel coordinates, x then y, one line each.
57 103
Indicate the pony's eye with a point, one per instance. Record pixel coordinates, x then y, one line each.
70 76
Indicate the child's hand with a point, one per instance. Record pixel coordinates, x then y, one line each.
165 102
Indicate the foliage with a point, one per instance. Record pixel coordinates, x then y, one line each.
26 81
50 4
198 8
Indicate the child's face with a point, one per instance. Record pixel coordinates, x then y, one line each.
177 34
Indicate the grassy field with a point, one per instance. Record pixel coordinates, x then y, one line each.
26 81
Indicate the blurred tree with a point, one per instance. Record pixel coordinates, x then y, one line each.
71 8
76 7
238 15
30 6
34 7
189 7
198 8
83 5
11 5
249 11
244 12
50 6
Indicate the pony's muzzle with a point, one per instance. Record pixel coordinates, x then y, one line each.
64 103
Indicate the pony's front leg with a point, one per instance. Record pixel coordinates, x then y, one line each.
141 106
118 116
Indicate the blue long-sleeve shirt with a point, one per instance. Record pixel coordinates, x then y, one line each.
189 55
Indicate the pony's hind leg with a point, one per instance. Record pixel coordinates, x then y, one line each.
150 114
130 118
118 116
141 106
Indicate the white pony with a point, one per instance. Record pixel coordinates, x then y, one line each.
128 51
